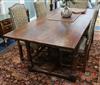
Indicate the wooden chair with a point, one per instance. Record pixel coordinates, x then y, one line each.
85 43
40 8
19 16
79 4
81 56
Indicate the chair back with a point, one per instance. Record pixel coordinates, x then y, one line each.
79 4
18 15
92 24
40 8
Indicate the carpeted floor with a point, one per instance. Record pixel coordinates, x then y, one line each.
8 43
97 28
14 72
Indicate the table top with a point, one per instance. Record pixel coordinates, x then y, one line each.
57 16
55 33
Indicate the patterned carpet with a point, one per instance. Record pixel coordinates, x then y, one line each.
14 72
8 43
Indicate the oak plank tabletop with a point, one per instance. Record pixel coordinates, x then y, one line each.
52 32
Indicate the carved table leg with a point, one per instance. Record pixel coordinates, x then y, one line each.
20 50
29 55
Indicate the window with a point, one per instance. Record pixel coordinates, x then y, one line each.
1 8
93 2
5 4
30 6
